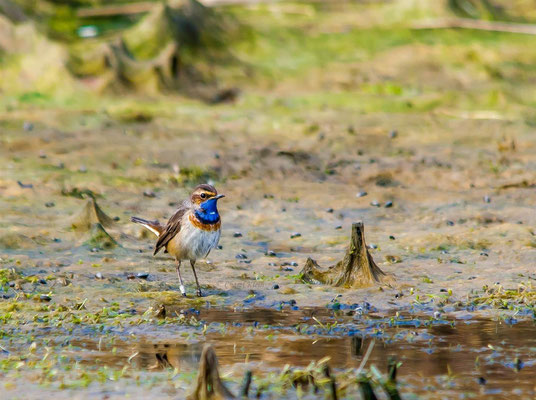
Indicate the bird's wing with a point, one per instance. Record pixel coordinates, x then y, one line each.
172 227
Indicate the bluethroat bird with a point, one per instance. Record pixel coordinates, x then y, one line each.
191 232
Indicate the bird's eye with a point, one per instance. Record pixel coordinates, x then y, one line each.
203 196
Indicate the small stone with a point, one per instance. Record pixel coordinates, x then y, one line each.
49 204
391 237
484 254
471 278
389 204
142 275
271 253
116 218
518 364
94 250
25 185
294 264
443 290
288 269
361 194
287 290
481 380
149 193
372 246
275 287
272 264
245 261
45 297
42 154
98 275
375 203
338 227
237 234
82 169
42 281
241 256
27 126
283 209
220 247
329 210
487 199
393 134
450 223
56 240
295 235
437 315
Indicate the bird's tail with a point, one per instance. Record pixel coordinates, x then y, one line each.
153 226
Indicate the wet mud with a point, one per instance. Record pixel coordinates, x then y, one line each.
426 137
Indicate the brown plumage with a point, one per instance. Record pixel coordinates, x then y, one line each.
156 227
173 226
171 229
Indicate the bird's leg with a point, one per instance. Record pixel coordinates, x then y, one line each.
199 294
181 284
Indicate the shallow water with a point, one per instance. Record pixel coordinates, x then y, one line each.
440 358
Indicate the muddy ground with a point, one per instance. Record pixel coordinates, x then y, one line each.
437 127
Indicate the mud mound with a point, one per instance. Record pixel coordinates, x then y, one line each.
357 269
100 239
90 215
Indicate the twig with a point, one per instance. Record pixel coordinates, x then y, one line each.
366 388
332 383
123 9
388 386
246 384
366 357
477 24
392 369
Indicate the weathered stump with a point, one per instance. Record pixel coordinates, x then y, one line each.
209 384
90 215
356 269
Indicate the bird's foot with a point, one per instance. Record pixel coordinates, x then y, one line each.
183 290
199 293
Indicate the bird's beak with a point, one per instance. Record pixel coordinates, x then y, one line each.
218 196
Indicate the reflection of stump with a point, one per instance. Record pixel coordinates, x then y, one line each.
356 269
209 384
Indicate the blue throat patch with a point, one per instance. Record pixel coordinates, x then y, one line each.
208 213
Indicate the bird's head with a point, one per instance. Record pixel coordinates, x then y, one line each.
204 198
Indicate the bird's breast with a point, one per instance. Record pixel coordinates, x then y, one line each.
195 240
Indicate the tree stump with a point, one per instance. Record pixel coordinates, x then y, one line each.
357 268
90 215
209 384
